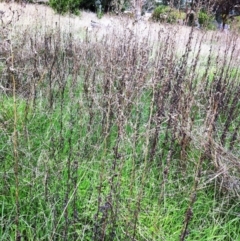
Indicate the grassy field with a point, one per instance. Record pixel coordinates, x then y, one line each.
125 132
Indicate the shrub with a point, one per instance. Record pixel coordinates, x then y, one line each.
205 19
73 6
174 15
160 12
64 6
166 14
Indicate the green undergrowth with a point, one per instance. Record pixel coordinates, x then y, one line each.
62 162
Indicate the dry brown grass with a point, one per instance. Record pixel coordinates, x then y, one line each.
42 17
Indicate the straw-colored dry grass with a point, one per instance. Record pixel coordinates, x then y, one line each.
40 16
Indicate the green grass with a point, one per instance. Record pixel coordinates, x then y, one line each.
44 152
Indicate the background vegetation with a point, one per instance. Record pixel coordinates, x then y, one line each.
112 136
167 14
61 6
